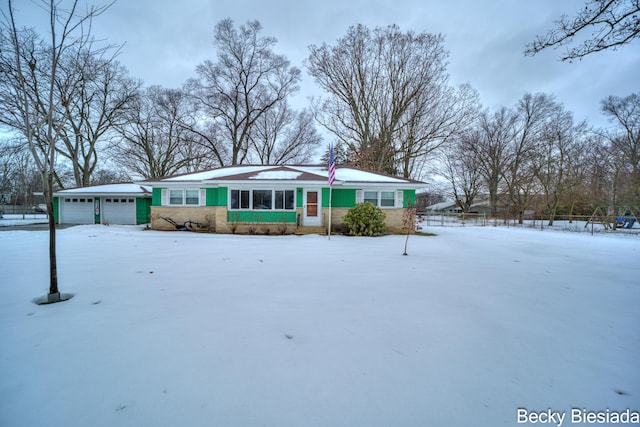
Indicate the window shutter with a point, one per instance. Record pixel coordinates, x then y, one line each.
164 197
359 196
202 200
399 199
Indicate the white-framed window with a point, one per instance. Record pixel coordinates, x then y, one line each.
381 198
262 199
182 197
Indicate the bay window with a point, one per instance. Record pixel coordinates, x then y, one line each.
260 199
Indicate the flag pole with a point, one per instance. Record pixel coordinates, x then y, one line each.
329 230
331 176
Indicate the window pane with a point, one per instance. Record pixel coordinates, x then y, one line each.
387 198
279 199
261 199
288 199
192 197
235 199
175 197
244 199
371 197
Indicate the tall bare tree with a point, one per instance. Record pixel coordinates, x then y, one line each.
624 142
533 113
490 148
95 93
39 112
388 97
248 81
156 138
459 166
614 23
282 136
559 161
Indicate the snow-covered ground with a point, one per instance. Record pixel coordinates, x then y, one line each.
9 220
185 329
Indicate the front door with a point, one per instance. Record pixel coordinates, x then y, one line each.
312 208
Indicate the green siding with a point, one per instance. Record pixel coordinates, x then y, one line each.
409 198
156 197
217 196
261 217
56 209
299 197
96 216
341 198
143 210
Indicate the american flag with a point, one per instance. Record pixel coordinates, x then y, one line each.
332 167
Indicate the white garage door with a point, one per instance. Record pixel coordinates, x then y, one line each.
119 210
76 210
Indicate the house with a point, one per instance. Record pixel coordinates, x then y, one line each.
274 199
126 203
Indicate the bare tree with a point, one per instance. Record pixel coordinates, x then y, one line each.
388 95
558 160
281 136
95 92
533 113
247 82
459 166
490 150
39 111
614 23
625 145
156 138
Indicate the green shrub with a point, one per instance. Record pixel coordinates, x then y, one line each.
365 219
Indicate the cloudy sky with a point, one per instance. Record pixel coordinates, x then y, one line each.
164 40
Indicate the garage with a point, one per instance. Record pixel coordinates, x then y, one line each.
126 204
76 210
119 210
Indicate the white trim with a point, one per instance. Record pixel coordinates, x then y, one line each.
311 221
399 198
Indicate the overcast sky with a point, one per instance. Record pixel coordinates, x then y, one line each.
164 40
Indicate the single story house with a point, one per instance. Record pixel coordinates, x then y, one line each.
126 203
274 199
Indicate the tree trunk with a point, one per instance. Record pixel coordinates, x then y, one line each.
53 265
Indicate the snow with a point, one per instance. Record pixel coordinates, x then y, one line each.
276 175
178 328
216 173
9 220
127 188
347 174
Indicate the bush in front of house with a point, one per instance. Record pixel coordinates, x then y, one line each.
365 219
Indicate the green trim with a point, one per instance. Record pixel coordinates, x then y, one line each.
340 198
299 196
217 196
96 216
156 197
143 210
56 209
409 198
278 217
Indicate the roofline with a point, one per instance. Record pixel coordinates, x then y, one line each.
283 182
161 180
